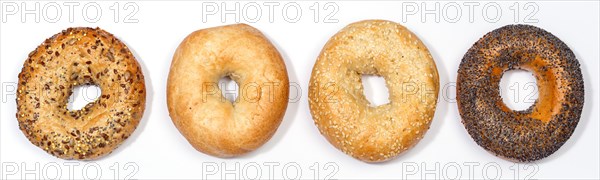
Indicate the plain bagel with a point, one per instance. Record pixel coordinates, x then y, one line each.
211 123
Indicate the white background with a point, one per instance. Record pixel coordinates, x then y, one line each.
157 150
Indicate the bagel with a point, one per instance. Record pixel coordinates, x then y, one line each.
210 123
339 108
80 56
543 128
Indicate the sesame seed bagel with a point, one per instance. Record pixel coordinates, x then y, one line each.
526 135
80 56
211 123
339 108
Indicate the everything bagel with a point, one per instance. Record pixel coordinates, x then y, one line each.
80 56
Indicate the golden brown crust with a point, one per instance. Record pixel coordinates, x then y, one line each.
339 107
209 122
80 56
542 129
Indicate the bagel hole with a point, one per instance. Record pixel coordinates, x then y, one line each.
375 90
83 95
518 89
229 89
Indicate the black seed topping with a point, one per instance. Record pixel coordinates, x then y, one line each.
534 133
